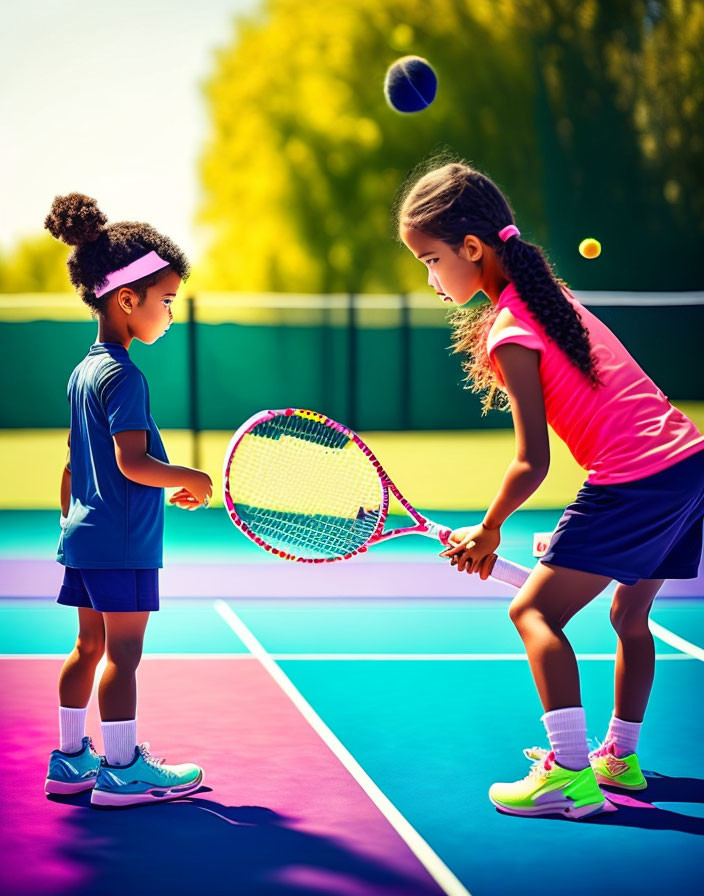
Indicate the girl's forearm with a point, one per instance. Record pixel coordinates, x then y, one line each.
519 483
147 470
65 492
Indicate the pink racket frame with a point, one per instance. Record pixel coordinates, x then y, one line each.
423 526
503 569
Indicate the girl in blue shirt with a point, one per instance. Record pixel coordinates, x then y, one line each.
112 504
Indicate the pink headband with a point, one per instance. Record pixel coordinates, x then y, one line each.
507 232
143 266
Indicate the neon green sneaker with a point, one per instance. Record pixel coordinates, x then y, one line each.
550 789
617 771
610 768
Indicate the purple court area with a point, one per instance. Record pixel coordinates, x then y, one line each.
278 813
357 577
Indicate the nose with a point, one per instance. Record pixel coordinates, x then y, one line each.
434 284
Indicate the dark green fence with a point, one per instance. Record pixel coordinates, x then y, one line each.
383 366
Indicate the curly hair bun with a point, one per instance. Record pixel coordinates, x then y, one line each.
75 219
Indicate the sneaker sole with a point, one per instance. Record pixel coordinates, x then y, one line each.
556 809
67 787
609 782
156 795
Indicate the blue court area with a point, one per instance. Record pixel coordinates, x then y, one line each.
434 701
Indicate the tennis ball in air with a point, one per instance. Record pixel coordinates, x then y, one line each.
590 248
410 84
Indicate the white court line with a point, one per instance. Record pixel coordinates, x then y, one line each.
675 641
350 657
437 869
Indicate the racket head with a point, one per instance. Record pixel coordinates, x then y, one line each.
303 486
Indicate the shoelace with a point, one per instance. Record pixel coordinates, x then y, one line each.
541 767
147 756
603 749
534 753
608 746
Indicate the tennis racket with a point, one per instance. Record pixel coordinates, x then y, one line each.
307 488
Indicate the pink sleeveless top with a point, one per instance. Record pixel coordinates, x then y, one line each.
623 430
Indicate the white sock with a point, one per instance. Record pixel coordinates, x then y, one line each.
567 733
120 739
72 728
624 734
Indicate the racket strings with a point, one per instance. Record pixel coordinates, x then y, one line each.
305 488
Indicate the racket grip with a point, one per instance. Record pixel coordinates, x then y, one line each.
511 573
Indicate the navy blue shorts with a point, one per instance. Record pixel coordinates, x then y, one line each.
111 590
647 529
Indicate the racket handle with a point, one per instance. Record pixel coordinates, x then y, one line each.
511 573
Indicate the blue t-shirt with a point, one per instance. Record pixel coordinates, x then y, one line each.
113 522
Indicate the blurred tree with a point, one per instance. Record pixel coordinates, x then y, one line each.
305 157
35 264
588 114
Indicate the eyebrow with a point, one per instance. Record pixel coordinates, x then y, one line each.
423 254
164 295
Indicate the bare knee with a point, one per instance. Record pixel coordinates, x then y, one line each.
515 611
521 612
629 621
90 647
125 653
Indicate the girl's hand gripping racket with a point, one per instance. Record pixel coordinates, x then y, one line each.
308 489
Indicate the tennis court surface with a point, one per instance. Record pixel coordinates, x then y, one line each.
350 720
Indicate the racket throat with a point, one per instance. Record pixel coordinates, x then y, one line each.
432 530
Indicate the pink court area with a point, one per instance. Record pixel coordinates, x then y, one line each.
278 813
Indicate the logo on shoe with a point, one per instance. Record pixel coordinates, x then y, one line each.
64 767
615 766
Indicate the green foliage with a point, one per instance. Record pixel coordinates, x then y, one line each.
35 264
305 156
621 125
588 114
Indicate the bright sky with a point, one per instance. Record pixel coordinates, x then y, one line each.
102 97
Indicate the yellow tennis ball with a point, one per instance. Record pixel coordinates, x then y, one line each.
590 248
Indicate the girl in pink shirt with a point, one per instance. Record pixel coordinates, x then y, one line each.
637 519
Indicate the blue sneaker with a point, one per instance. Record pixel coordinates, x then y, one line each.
144 780
72 772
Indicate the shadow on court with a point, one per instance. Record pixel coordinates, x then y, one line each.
198 845
637 809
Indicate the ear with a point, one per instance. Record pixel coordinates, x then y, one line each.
472 248
127 299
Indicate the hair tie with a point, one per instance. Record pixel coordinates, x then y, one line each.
507 232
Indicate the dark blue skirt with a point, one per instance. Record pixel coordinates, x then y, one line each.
650 528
